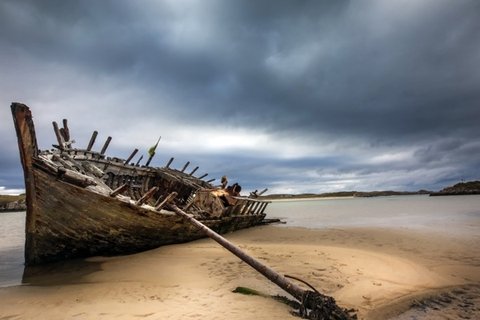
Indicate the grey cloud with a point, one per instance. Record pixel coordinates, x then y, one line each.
392 83
396 74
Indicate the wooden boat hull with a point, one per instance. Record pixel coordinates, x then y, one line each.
66 220
91 224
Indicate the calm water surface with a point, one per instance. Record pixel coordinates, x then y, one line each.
12 238
456 215
452 215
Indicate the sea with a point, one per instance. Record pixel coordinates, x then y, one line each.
12 240
454 215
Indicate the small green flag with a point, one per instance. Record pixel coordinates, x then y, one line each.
152 149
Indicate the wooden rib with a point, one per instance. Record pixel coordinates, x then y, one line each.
61 141
264 207
169 162
105 146
147 196
92 140
255 208
66 131
131 156
168 199
247 207
75 177
119 190
262 192
138 161
185 166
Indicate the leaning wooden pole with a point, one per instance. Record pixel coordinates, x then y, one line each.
315 305
269 273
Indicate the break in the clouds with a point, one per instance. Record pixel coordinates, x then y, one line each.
297 96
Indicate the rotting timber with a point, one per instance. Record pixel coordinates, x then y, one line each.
82 203
312 304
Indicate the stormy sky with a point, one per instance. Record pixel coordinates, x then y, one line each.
296 96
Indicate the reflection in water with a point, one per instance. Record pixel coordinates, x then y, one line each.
12 269
60 273
11 266
12 239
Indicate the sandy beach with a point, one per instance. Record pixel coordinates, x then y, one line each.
379 272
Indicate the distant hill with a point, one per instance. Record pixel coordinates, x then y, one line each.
12 203
462 188
359 194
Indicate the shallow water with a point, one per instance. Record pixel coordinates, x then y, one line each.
12 239
457 216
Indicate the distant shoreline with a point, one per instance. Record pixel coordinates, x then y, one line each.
308 199
460 189
342 195
12 203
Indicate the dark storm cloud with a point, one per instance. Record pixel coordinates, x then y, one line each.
343 66
370 75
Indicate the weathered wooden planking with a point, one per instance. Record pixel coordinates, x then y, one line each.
92 224
75 206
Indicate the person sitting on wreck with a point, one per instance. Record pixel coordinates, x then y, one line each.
228 193
224 182
234 190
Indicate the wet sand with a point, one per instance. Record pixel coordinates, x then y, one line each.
380 272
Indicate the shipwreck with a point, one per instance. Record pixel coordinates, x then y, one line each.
81 202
